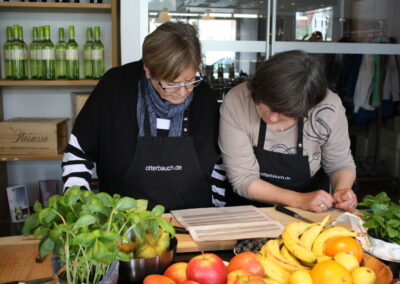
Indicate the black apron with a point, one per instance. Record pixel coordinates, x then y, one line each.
290 171
166 171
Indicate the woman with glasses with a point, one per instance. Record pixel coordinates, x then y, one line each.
150 127
284 138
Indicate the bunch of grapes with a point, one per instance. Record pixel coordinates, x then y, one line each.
252 245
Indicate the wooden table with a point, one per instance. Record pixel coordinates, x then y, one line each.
17 261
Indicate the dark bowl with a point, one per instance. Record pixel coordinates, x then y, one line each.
136 270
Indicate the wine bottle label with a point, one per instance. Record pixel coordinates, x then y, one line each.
88 54
60 54
39 55
98 54
48 54
7 54
17 54
33 54
72 54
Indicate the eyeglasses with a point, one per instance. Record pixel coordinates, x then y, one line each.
173 88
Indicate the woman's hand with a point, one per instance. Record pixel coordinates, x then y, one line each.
318 201
345 199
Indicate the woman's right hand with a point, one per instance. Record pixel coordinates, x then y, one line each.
317 201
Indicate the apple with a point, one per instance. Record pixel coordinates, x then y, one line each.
190 282
157 279
237 274
246 261
177 272
207 268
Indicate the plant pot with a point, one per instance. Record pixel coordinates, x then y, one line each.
136 270
60 276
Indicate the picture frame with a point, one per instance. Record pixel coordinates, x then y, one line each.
18 203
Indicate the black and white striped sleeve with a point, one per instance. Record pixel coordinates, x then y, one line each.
218 184
77 169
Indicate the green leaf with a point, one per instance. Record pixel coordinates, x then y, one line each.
30 224
392 232
37 207
125 203
139 233
46 245
41 232
380 207
395 223
85 221
105 198
96 206
371 223
379 219
158 210
106 236
141 204
84 239
72 195
57 232
382 197
167 226
124 256
46 216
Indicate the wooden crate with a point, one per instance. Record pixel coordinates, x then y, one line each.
78 101
26 135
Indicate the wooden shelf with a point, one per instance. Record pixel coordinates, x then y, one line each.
44 83
32 157
103 8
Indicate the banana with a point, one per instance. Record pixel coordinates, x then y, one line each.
309 235
289 257
290 237
319 243
274 254
274 271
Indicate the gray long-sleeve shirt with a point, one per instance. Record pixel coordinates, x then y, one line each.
326 140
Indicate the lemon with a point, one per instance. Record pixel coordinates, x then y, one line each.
363 275
347 259
300 277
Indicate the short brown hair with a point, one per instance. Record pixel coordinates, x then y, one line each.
290 83
171 49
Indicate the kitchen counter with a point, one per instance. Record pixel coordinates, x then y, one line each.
18 253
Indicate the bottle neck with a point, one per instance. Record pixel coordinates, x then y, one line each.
61 35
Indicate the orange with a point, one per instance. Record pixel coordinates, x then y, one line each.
340 244
330 272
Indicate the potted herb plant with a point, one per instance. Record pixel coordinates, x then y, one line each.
382 218
85 230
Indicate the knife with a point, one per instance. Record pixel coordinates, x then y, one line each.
180 230
35 281
286 211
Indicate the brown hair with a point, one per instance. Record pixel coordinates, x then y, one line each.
290 83
171 49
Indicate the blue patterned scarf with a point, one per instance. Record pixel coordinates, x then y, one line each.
158 108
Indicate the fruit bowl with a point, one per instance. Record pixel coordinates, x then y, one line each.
137 269
383 273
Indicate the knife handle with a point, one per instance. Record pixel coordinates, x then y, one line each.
283 209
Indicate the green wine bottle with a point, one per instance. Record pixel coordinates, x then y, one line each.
7 54
33 53
87 55
48 55
97 55
40 53
25 53
17 63
72 56
61 62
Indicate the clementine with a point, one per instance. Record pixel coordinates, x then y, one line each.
330 272
340 244
157 279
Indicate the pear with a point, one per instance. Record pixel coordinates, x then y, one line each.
163 242
145 251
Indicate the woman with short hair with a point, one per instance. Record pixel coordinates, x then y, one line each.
150 127
284 138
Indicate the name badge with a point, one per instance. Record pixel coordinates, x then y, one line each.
163 123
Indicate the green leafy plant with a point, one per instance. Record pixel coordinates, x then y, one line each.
383 220
83 229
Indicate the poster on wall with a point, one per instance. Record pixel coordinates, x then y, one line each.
18 203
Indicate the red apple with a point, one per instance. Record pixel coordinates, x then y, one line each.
207 268
237 274
157 279
190 282
177 272
246 261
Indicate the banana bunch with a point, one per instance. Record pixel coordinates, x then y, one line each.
301 247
